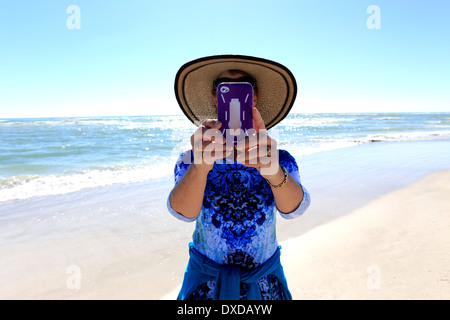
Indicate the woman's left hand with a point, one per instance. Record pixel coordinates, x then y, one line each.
254 152
259 150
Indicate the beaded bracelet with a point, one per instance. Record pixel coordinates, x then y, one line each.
283 182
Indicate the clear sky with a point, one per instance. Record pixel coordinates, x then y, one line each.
124 57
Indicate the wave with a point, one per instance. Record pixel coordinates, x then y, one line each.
27 186
321 144
407 136
149 146
126 123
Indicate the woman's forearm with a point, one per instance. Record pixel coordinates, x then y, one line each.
186 197
289 196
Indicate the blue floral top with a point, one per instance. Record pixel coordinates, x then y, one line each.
236 225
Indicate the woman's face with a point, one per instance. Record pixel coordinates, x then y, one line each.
235 75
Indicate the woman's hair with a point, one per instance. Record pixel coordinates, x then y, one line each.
234 72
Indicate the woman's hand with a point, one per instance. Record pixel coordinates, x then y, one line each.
209 145
254 152
259 150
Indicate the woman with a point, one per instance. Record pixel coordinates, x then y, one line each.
235 253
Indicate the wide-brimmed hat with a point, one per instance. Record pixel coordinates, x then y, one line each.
277 87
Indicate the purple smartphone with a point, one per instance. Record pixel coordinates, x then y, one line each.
234 109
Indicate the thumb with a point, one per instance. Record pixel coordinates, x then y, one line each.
258 122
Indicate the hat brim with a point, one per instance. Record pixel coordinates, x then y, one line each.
277 88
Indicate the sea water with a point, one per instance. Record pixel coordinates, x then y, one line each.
49 156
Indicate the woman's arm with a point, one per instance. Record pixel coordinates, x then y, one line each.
186 197
289 196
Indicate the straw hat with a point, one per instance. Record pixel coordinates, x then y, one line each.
277 87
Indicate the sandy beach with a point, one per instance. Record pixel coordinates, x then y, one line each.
371 234
395 247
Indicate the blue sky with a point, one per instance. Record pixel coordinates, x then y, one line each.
123 59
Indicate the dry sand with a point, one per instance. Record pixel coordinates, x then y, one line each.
396 247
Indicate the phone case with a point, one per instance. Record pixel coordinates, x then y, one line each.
234 109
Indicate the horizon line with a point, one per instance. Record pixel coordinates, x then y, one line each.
181 114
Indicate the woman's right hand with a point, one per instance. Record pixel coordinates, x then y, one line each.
209 145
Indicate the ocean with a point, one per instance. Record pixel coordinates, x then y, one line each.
49 156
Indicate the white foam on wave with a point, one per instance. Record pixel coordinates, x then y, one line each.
299 148
408 136
315 122
24 187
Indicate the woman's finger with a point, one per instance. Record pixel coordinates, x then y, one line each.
258 122
199 133
255 155
260 139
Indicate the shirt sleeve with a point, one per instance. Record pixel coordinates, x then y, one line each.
182 164
288 161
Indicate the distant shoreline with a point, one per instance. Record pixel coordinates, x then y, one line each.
182 115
